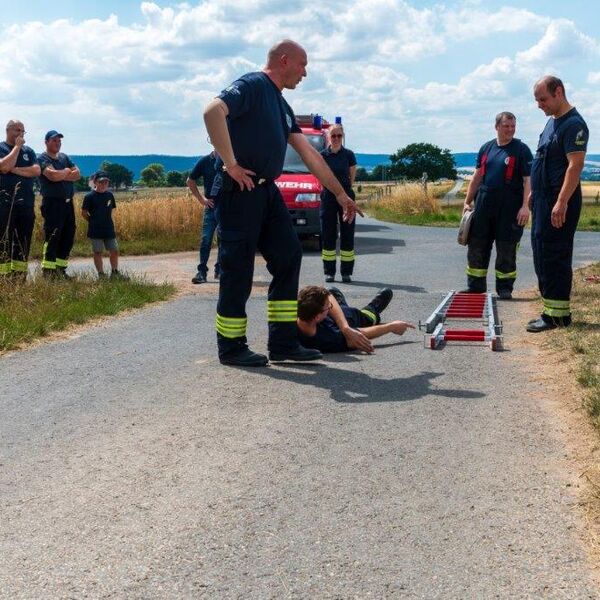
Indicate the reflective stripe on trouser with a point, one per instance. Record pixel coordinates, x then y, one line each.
249 221
19 266
556 308
4 268
331 216
231 328
59 229
329 258
373 317
553 251
282 311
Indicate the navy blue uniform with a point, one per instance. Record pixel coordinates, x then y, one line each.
206 168
553 247
100 207
260 122
331 214
17 215
329 338
498 200
58 213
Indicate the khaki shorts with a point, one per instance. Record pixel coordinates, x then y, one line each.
98 245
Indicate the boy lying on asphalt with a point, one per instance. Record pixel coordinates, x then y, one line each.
326 321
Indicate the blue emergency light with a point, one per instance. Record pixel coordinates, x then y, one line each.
317 122
338 120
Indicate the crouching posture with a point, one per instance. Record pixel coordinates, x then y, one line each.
326 321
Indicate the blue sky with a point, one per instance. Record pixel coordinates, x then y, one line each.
131 77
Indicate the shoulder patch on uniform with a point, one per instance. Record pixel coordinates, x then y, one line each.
580 138
233 89
288 120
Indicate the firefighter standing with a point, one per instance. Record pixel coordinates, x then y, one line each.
343 164
17 198
501 186
250 124
56 182
556 201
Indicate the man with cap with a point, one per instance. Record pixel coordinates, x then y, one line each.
250 125
56 183
18 168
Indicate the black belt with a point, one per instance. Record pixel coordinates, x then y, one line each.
230 184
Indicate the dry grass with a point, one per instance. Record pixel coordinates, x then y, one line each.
409 199
145 221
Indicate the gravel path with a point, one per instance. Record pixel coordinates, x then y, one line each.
133 465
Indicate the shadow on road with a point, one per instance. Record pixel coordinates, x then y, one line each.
350 387
378 284
377 245
364 227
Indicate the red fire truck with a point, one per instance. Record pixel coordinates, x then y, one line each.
300 189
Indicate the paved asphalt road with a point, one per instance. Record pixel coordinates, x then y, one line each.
134 465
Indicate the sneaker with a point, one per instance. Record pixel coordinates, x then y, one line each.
102 275
346 279
337 294
505 295
329 278
381 300
244 358
118 275
199 277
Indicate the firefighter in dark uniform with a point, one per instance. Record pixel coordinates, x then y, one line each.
250 124
556 201
500 186
18 168
56 183
343 164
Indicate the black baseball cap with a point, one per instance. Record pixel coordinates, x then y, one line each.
98 175
53 133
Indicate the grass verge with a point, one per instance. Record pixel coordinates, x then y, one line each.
582 339
40 307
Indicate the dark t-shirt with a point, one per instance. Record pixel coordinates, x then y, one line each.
561 136
260 122
100 207
328 337
497 164
206 169
55 189
9 181
340 163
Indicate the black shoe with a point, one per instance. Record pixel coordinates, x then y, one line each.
299 354
541 325
199 277
329 278
346 279
118 275
61 273
245 358
102 276
337 294
505 295
381 301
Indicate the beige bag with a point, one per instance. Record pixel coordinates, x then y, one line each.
464 227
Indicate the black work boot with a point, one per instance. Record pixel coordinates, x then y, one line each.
244 358
298 354
338 295
381 301
199 277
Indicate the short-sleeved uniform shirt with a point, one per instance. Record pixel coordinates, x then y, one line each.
560 137
328 337
100 207
340 163
260 122
498 164
206 169
10 181
55 189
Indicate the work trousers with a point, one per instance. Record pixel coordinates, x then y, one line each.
494 220
16 229
249 221
331 214
209 226
59 231
553 252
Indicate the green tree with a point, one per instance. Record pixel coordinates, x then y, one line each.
361 174
118 174
82 184
153 175
175 179
381 173
415 159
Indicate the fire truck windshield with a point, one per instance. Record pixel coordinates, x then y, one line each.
293 163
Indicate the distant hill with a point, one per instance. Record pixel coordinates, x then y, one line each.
464 160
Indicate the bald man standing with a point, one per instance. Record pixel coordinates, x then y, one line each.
18 168
556 201
250 125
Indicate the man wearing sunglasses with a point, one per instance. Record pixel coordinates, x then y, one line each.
326 321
